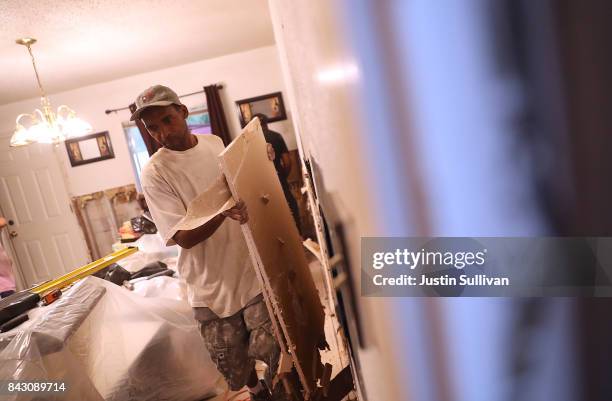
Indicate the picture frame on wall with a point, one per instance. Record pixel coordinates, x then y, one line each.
89 148
270 105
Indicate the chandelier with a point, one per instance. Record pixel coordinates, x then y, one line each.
45 126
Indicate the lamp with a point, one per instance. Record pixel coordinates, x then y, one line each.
46 126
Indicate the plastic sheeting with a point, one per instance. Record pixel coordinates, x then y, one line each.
107 343
151 248
162 287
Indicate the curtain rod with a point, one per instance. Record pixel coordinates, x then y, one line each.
220 86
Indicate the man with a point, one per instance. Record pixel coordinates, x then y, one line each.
279 154
213 259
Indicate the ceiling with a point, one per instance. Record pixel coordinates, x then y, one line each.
83 42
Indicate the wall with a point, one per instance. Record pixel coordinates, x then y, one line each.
384 106
243 75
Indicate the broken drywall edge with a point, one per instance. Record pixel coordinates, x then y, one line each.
215 199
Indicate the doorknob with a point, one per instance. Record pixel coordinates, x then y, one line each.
13 234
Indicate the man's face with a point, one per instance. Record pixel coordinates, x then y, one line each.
166 124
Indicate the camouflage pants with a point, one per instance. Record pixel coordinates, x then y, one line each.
235 342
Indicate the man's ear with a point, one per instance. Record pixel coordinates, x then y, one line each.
184 110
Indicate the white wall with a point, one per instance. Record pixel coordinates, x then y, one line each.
243 75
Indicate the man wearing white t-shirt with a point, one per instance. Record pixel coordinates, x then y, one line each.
213 259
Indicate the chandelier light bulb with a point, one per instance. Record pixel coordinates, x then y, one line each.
45 126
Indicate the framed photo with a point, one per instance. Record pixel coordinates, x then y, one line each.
270 105
89 148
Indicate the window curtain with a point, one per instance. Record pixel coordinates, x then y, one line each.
218 123
151 144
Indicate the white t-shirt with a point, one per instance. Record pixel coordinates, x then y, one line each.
218 271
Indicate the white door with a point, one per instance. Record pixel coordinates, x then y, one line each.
45 234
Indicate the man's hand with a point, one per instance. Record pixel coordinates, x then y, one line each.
238 213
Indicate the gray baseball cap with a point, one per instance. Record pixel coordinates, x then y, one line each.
158 95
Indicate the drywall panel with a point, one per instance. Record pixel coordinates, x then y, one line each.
276 249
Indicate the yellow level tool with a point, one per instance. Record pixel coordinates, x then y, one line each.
83 271
19 303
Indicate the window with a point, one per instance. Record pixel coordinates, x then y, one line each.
138 151
199 122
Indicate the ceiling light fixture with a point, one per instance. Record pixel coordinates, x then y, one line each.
46 126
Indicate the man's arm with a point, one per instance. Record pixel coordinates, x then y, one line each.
188 238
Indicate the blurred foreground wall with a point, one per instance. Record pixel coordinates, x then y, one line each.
458 118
